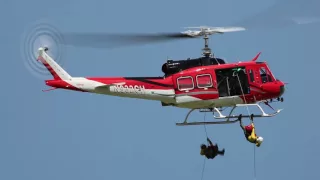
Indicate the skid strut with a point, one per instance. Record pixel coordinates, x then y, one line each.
221 116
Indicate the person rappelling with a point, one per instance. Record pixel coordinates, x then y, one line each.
249 132
211 151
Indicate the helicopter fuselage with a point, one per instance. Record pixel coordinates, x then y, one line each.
206 86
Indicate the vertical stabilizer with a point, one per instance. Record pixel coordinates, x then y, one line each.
56 71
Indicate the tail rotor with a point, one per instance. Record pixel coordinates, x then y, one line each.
41 34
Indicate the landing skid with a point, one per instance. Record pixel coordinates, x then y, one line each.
221 116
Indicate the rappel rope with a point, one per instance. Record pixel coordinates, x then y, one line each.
254 162
204 125
254 148
204 160
245 101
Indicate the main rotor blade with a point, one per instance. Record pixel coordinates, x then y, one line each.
285 13
109 40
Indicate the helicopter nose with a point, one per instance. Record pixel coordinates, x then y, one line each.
282 89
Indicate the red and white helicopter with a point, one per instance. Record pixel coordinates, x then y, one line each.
206 83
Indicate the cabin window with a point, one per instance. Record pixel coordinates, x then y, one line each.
204 81
185 83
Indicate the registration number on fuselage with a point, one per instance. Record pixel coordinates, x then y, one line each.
135 89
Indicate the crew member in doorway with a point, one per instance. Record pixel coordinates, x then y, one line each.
249 132
211 151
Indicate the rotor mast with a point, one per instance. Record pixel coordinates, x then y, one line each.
205 32
206 51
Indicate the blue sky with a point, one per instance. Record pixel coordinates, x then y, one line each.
63 135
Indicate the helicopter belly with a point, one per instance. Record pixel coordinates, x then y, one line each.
192 103
227 101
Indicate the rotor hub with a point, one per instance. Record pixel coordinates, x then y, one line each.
206 32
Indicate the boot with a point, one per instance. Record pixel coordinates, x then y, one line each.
222 152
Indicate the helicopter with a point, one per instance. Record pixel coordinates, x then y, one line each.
207 83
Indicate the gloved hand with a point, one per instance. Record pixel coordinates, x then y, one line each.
251 117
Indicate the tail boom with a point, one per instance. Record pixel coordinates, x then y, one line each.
151 88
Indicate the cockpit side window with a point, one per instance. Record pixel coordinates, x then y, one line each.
265 75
